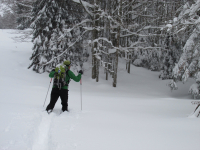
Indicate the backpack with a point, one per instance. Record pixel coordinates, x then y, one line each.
60 77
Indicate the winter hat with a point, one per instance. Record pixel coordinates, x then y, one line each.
67 63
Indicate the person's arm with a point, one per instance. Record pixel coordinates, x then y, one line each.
51 74
75 78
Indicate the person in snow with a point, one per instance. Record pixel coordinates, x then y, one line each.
62 92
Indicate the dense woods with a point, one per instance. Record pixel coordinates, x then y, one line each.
160 35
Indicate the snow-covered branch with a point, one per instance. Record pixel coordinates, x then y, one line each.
22 4
65 51
85 6
78 25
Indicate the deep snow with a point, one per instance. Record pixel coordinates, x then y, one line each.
140 114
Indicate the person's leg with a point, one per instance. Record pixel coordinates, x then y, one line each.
54 98
64 99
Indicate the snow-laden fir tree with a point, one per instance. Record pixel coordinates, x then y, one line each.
51 20
188 24
172 49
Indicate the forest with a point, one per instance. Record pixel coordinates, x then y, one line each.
159 35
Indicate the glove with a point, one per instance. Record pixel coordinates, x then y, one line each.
81 72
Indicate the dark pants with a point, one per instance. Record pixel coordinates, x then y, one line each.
55 93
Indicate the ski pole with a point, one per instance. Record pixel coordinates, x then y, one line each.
47 92
81 92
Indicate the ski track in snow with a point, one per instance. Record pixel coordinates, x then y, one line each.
42 137
51 122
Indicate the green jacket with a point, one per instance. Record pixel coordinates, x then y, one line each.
71 75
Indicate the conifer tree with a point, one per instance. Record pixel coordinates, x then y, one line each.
172 49
188 27
51 19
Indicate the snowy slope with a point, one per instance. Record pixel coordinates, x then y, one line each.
140 114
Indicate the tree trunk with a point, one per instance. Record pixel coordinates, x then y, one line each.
93 60
94 48
129 63
97 70
117 45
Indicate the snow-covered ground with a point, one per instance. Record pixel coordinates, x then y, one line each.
140 114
